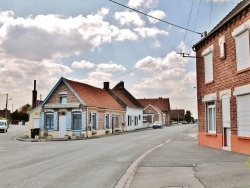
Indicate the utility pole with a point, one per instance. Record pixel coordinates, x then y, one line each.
6 111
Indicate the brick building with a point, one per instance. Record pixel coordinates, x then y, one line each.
223 83
156 109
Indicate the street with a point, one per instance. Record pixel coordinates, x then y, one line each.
78 163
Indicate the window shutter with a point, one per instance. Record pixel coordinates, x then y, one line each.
41 121
55 121
104 122
97 120
68 120
208 59
242 50
243 115
83 120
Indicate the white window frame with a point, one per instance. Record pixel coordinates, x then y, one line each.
210 118
107 121
208 63
241 36
63 98
94 121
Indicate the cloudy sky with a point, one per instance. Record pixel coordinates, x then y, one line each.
98 40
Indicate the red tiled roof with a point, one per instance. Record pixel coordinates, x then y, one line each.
161 103
123 97
93 96
120 91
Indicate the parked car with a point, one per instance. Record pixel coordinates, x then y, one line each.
157 125
4 125
184 122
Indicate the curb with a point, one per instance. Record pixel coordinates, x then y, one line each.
128 176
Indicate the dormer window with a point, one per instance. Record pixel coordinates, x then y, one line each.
63 98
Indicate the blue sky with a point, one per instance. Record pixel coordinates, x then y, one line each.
96 41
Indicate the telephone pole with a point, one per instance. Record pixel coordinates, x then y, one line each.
6 110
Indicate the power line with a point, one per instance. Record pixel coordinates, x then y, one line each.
157 18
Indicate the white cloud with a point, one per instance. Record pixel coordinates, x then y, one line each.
126 34
150 64
97 78
127 18
157 14
167 77
110 67
83 64
19 75
150 32
142 3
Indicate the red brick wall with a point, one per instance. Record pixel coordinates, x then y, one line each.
55 97
225 73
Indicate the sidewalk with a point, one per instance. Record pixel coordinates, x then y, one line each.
181 162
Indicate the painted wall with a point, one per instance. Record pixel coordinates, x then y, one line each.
134 112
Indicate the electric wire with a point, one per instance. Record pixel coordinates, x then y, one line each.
210 16
189 17
156 18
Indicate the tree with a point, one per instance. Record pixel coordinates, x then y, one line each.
25 108
188 116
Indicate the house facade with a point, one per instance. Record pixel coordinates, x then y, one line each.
223 83
177 115
156 109
77 110
134 111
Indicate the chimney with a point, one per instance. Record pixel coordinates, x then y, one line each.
106 85
34 96
121 85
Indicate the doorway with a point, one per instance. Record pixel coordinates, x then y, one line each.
226 121
62 126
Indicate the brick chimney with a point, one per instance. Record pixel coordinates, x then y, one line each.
121 85
106 85
34 96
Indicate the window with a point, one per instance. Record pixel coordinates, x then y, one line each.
210 117
242 50
243 115
222 47
208 63
129 120
106 122
116 122
94 121
63 98
77 121
136 120
49 121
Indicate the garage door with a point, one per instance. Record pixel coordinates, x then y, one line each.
243 115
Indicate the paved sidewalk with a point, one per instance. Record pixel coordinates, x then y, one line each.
183 163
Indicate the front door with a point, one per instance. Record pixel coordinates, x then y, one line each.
62 126
226 120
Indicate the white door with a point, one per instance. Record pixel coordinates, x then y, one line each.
62 126
35 122
226 120
228 137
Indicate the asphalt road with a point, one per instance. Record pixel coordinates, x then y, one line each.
89 163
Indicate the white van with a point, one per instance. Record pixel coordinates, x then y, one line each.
4 125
